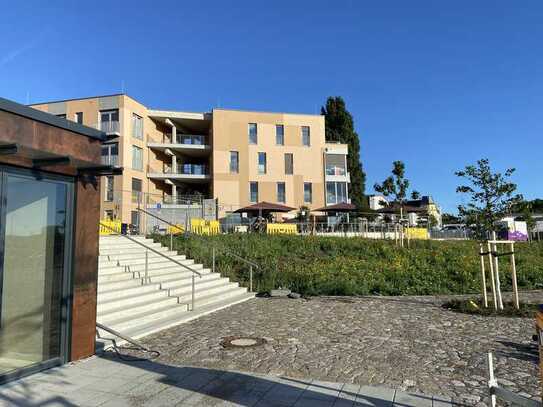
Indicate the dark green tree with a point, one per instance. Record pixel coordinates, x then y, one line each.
492 196
340 128
415 195
395 185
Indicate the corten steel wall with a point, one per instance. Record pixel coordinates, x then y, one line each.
47 138
230 133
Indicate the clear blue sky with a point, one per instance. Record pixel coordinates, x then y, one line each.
435 84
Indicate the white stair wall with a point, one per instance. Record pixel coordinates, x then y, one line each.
136 307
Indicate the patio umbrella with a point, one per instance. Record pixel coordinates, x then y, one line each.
265 208
339 207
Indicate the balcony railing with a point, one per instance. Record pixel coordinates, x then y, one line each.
182 169
109 127
335 170
110 160
190 139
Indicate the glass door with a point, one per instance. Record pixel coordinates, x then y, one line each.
35 224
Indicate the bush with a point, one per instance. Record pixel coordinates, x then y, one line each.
314 265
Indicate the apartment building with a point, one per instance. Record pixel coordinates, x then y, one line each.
237 157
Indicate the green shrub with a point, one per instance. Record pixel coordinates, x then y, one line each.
354 266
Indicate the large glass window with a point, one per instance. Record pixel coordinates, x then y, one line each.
279 134
35 223
253 133
234 162
253 191
136 190
336 192
289 164
281 194
137 126
110 154
261 163
306 136
308 192
109 121
335 164
137 158
109 188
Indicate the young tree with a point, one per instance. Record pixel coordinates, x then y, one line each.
492 196
526 209
395 185
340 128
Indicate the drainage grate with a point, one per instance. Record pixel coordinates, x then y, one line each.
233 342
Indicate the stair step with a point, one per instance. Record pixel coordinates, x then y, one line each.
129 300
170 280
106 317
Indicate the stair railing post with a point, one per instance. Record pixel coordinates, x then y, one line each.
213 256
250 278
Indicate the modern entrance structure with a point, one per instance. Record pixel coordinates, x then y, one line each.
49 211
237 157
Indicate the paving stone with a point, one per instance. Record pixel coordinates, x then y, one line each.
403 399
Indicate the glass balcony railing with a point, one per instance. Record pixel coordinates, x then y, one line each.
190 139
109 127
188 169
335 170
110 160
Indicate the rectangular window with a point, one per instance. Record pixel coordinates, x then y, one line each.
137 158
109 188
279 134
308 192
137 126
281 198
135 220
110 154
253 133
289 163
79 117
306 136
136 190
253 191
108 213
335 164
336 192
261 163
234 162
109 121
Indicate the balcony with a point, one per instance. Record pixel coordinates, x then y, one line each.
335 170
187 144
185 172
110 160
111 128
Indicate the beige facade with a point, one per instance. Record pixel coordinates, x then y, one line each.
170 154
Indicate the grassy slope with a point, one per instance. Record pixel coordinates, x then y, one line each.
340 266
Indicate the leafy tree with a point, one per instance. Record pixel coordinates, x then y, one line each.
492 196
526 210
415 195
450 218
340 128
395 185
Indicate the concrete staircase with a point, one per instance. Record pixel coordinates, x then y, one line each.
135 307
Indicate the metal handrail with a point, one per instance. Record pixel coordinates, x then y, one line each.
160 254
249 262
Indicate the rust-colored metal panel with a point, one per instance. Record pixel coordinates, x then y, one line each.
85 265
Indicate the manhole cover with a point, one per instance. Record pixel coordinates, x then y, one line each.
242 342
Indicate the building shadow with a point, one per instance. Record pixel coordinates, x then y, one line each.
520 351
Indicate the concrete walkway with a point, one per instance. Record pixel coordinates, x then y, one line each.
110 381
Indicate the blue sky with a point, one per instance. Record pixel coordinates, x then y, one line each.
435 84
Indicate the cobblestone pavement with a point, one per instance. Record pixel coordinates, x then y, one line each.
407 343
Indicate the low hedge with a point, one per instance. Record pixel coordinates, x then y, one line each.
353 266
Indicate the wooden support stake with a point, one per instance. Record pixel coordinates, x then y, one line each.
492 279
483 275
514 276
497 272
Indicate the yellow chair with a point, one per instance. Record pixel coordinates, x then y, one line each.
106 226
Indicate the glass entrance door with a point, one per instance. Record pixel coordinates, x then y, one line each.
35 223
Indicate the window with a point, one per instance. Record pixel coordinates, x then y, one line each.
261 163
336 192
108 213
335 164
234 162
109 121
253 191
110 154
135 220
109 188
253 133
136 190
289 164
279 134
306 136
79 117
281 192
137 158
308 192
137 126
